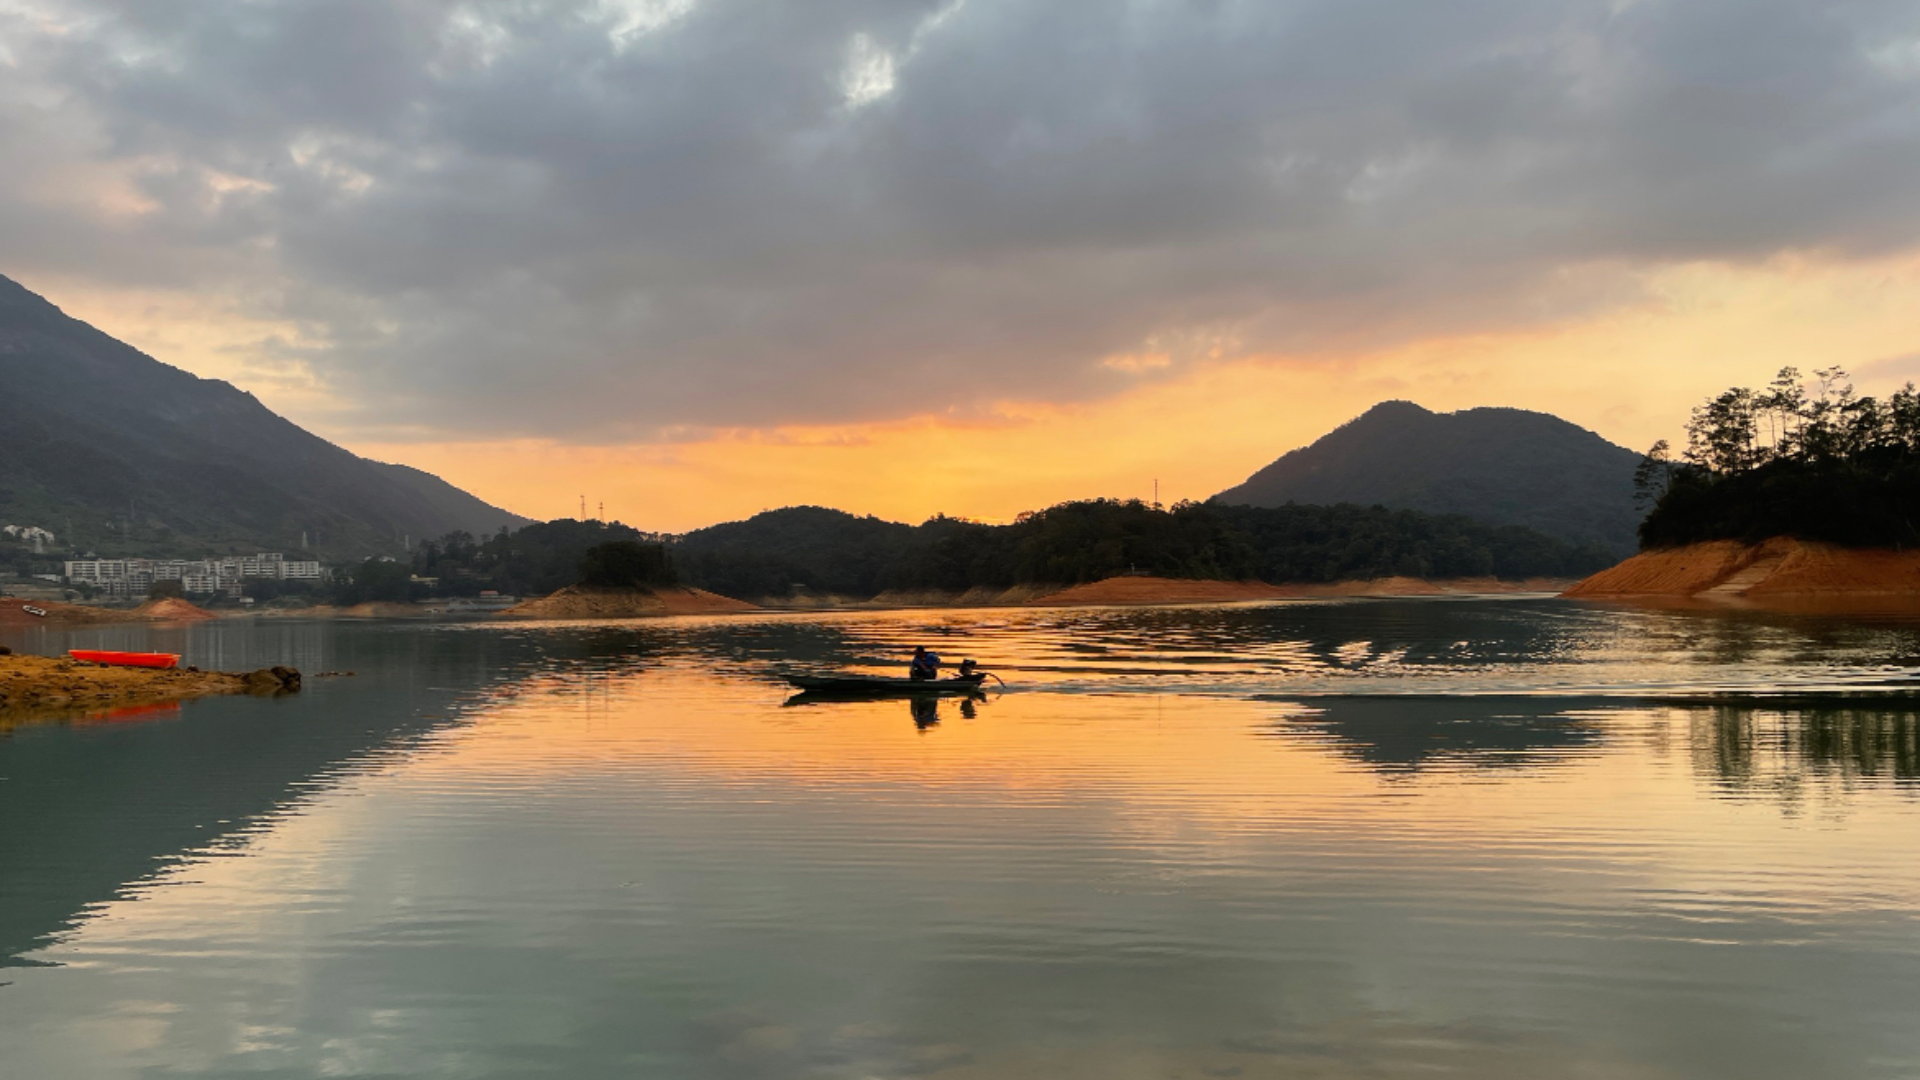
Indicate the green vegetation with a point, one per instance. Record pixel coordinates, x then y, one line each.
1077 542
800 548
376 579
537 560
1345 542
813 549
1816 462
627 564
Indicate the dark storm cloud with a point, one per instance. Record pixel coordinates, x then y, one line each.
596 219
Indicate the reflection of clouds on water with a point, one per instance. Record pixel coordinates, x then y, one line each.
749 1044
625 858
752 1045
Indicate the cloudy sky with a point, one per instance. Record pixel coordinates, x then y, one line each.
694 258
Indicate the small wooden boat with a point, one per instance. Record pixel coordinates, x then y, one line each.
126 659
884 686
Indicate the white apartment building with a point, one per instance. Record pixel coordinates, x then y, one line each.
115 577
198 577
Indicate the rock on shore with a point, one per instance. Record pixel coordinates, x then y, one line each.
42 687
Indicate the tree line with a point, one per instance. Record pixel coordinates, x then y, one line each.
534 560
815 550
1809 458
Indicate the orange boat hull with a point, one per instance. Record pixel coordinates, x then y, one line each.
126 659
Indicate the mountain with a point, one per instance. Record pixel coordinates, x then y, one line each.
818 549
117 452
1504 466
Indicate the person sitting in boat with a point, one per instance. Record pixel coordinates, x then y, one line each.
967 667
925 665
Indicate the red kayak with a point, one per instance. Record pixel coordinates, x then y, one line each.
126 659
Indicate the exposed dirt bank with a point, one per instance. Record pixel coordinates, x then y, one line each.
41 688
980 596
1780 574
172 610
578 602
13 613
1153 590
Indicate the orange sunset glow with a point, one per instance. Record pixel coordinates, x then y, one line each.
1629 372
962 260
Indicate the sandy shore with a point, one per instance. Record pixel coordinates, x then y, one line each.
42 687
1153 590
1141 590
14 613
1781 574
576 602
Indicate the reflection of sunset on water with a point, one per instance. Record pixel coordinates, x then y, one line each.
1216 774
609 844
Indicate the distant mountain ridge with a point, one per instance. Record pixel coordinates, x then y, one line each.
118 452
1498 465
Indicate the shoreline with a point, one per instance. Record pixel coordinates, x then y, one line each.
577 603
1779 575
1144 591
40 688
14 613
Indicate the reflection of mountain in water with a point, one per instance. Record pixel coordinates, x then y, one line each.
90 809
1397 734
1744 748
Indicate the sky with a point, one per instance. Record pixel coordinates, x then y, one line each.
692 259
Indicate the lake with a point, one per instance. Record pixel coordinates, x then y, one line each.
1369 839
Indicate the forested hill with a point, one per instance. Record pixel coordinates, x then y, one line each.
117 452
813 549
1501 466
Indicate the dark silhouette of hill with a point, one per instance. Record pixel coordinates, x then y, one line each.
1503 466
118 452
813 549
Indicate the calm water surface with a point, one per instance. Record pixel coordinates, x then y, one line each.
1367 839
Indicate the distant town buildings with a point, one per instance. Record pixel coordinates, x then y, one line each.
197 577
